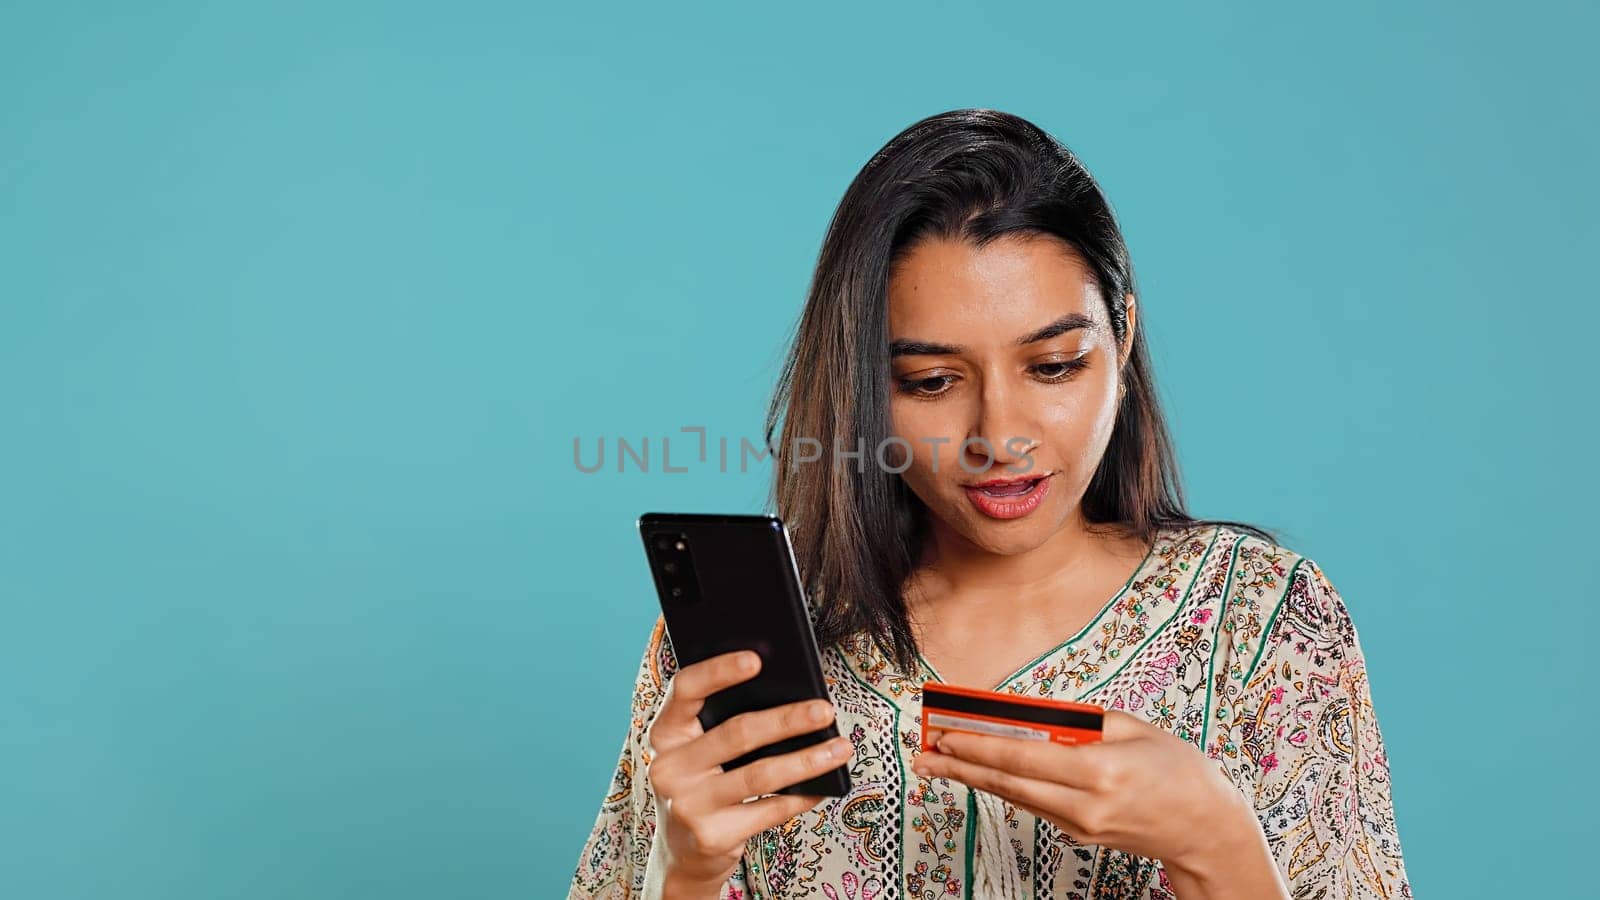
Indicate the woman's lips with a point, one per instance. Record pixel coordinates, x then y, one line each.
1009 501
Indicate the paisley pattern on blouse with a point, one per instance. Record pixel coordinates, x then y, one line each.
1238 646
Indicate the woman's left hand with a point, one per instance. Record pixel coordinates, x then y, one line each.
1138 789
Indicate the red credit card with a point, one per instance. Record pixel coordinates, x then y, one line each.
946 707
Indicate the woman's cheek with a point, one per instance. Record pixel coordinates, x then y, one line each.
928 464
915 430
1077 420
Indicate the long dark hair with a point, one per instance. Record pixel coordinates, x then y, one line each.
974 175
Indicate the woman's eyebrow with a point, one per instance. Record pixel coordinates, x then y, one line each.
1069 322
907 347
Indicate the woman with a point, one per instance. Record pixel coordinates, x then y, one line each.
974 312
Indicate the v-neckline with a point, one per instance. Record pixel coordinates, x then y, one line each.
1105 608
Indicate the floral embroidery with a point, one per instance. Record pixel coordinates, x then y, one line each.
938 824
1238 646
849 882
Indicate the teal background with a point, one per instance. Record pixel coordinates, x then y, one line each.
302 306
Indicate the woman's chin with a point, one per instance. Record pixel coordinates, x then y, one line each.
1005 537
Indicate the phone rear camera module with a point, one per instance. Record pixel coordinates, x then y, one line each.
674 567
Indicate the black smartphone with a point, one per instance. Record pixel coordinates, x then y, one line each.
729 582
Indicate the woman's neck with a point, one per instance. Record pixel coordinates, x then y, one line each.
954 566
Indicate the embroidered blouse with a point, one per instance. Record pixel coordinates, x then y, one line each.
1239 646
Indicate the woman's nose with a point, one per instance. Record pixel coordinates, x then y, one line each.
984 452
999 438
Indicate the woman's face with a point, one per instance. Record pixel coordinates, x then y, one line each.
1010 344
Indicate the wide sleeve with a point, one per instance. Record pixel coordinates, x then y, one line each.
1308 750
616 862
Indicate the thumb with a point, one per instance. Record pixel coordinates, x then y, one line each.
1120 726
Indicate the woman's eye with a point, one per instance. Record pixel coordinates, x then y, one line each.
926 387
1059 371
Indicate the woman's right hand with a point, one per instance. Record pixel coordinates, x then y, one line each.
700 809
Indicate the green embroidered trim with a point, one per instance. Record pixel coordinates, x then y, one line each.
1266 630
1198 568
972 834
1211 665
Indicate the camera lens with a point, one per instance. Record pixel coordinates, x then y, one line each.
670 568
664 542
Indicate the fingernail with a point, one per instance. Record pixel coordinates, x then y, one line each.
818 711
832 750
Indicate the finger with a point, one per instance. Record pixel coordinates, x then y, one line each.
767 812
677 722
1044 760
1120 726
753 730
1056 801
774 773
